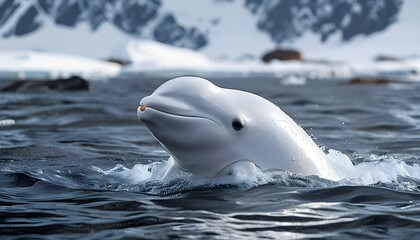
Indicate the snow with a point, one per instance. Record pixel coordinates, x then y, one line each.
157 59
234 49
235 35
151 54
232 33
39 65
399 40
79 41
403 70
230 27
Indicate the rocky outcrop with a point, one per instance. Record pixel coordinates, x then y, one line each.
69 84
118 61
373 81
169 31
130 17
282 20
387 58
282 55
287 20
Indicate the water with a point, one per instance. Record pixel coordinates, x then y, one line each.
81 165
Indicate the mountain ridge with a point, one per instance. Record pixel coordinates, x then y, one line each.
245 29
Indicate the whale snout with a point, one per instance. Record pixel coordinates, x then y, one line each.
142 108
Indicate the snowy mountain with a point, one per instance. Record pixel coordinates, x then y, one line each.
21 18
289 19
222 29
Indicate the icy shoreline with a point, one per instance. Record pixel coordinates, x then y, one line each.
40 65
153 59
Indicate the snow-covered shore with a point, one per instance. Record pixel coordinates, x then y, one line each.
231 51
407 70
41 65
153 59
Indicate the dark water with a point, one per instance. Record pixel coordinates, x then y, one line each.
76 165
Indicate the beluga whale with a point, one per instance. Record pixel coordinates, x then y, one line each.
209 130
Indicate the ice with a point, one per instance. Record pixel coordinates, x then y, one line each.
231 51
220 21
151 55
153 58
402 70
41 65
156 59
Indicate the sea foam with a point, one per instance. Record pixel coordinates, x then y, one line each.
373 171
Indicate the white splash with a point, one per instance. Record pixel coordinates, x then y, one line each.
7 122
139 173
376 169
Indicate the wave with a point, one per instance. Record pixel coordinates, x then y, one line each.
380 171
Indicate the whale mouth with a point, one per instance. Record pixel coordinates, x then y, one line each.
142 108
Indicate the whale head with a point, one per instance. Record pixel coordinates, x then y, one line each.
206 128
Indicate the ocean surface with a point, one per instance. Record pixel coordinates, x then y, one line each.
80 165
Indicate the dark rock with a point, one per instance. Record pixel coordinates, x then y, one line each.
46 5
169 31
68 84
68 13
288 20
97 15
373 81
118 61
129 16
7 8
29 22
387 58
282 55
134 15
284 21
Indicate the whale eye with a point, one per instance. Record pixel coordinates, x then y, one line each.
237 124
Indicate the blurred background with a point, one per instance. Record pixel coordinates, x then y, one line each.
293 39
